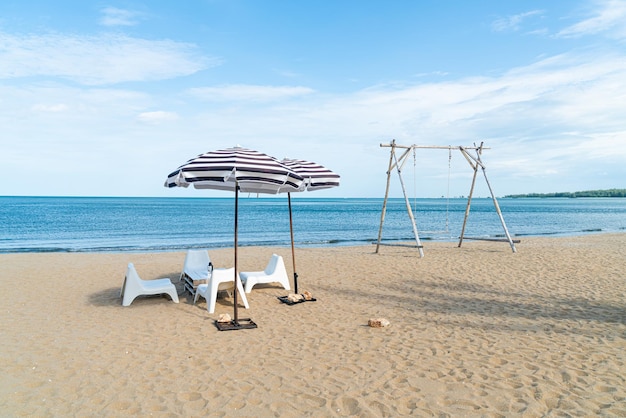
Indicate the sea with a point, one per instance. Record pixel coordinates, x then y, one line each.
145 224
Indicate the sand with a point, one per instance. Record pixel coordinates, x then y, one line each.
474 331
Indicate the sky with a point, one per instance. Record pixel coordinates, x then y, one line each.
106 98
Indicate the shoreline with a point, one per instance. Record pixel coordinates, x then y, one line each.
475 331
395 242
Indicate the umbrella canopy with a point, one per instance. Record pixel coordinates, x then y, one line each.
316 177
235 169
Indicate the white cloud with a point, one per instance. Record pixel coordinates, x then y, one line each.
602 146
610 18
157 117
527 115
243 92
112 16
95 60
59 107
513 23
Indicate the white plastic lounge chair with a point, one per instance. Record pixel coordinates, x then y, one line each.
221 279
133 286
275 272
196 269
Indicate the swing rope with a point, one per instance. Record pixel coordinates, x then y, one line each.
414 184
448 191
447 230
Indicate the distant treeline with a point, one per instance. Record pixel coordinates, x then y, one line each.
587 193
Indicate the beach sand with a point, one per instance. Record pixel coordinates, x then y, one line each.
475 331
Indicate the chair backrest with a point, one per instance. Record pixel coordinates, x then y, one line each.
224 278
275 262
131 280
197 264
131 273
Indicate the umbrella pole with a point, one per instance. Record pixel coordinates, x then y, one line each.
247 323
236 318
293 252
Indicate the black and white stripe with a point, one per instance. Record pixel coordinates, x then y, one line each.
252 171
316 176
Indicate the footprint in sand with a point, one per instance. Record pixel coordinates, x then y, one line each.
347 406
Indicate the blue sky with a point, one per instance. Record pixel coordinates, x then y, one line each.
105 98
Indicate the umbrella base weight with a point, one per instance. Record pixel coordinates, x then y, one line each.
243 323
288 301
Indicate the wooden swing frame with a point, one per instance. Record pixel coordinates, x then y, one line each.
475 162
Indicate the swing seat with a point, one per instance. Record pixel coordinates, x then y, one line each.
398 245
515 241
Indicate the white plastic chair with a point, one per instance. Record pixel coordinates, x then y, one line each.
221 279
133 286
275 272
195 269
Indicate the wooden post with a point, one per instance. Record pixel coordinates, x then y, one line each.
382 215
408 207
495 202
471 192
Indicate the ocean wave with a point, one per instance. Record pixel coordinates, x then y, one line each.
73 225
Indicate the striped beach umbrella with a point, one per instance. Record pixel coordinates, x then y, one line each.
236 169
316 177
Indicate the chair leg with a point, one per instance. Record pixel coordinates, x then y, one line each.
210 303
243 294
285 282
250 282
211 298
174 296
